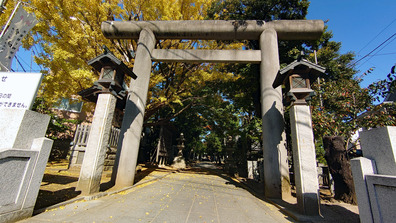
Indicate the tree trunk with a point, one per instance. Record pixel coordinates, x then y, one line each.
340 168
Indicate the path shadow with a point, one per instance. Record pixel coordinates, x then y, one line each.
140 174
60 191
47 198
57 179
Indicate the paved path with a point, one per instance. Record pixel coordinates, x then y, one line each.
176 197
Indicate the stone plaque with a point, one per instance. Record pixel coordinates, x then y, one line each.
18 90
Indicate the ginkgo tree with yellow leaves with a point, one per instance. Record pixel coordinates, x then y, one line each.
68 34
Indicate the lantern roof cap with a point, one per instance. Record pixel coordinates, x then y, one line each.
300 66
107 58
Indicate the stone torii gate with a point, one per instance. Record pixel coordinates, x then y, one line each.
276 173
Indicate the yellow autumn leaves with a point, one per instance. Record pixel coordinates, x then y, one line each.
69 34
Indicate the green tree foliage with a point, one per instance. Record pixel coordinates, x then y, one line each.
382 88
266 10
340 110
244 92
342 101
343 106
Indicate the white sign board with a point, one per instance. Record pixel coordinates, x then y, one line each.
18 90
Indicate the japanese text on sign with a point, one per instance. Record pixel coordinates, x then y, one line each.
18 90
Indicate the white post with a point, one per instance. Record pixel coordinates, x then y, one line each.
92 166
304 158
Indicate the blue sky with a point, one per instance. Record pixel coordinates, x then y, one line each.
361 26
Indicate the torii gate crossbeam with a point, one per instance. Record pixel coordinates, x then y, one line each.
215 29
276 178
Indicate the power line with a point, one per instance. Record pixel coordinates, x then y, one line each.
371 56
37 56
20 60
373 50
377 35
382 54
384 46
19 63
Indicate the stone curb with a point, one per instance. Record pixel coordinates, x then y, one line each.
98 195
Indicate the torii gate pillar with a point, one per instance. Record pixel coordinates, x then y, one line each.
127 150
276 170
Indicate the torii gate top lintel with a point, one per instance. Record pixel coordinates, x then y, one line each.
215 29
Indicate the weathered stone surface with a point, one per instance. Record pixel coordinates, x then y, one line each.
207 56
109 162
15 165
379 144
382 192
132 124
276 171
92 166
361 167
276 176
19 127
179 162
253 171
374 175
22 173
111 156
215 29
304 157
43 147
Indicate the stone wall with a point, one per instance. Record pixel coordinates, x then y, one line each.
374 175
110 159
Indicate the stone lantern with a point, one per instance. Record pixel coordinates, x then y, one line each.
230 165
108 91
297 78
178 161
111 79
112 71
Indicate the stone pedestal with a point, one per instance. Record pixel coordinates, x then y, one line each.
304 157
230 166
92 166
24 153
276 170
179 161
